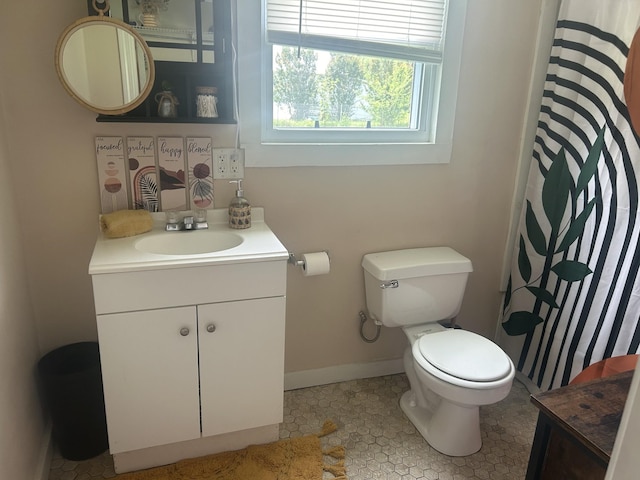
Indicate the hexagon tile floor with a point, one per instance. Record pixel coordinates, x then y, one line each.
380 442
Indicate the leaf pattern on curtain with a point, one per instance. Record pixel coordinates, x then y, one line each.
573 297
557 191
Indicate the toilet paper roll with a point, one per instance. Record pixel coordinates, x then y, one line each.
316 263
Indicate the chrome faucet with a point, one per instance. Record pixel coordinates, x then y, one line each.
189 222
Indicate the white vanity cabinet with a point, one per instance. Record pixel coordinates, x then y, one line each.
176 374
191 344
191 353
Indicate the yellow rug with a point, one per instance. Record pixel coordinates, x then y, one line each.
298 458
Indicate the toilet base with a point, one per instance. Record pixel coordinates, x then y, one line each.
451 429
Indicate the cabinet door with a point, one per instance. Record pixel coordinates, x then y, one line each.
150 376
241 364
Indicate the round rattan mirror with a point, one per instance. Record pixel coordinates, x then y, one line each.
104 64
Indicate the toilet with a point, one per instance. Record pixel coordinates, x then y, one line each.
451 371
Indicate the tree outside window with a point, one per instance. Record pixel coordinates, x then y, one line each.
323 89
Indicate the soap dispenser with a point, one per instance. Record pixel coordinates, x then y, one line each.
239 209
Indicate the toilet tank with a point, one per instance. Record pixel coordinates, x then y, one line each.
414 286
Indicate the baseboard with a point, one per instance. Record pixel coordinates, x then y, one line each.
341 373
46 454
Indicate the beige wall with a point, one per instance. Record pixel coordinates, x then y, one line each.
349 211
21 419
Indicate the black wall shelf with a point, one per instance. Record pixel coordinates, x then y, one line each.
184 77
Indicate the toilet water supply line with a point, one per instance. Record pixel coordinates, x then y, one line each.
363 320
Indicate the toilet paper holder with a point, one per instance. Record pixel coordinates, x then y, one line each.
292 260
300 263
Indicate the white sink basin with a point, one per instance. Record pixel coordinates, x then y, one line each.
161 250
188 243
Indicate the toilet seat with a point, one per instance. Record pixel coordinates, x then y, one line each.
462 358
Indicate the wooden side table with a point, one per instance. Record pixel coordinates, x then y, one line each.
576 429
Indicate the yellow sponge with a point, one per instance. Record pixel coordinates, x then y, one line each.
125 223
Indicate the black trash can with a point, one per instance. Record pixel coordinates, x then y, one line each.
72 389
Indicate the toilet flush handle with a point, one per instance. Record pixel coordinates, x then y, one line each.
390 284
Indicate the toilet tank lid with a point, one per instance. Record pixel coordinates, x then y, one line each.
415 262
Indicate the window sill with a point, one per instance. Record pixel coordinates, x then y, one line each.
333 155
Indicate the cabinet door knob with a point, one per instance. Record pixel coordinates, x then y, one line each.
211 328
184 331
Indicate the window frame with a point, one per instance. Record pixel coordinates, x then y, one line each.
263 149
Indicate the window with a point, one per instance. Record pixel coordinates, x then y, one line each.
365 73
353 70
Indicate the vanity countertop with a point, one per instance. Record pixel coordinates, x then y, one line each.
119 255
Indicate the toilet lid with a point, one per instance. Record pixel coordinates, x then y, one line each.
465 355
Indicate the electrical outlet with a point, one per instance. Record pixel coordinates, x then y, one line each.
228 163
236 164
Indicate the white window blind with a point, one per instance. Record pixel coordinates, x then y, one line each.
406 30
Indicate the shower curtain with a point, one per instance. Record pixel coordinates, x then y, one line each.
574 292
